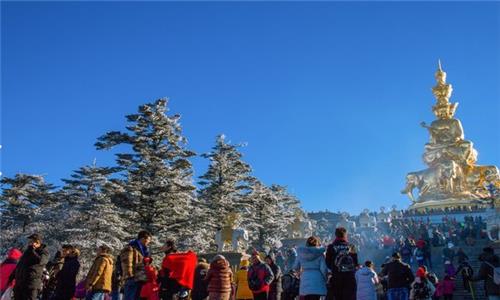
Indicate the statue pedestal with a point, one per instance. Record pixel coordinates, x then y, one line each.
288 243
233 258
447 203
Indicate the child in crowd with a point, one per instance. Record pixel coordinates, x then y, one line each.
150 289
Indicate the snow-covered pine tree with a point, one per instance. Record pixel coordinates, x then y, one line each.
288 204
23 200
157 183
224 186
91 218
272 211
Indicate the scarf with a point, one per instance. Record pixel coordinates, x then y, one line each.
139 246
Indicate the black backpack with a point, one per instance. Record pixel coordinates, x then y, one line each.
421 291
343 261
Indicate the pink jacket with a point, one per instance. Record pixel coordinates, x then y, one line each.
445 287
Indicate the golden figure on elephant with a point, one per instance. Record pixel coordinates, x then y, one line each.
453 178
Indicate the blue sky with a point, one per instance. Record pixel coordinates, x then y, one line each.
328 96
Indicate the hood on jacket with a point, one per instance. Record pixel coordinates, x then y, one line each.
365 271
310 253
219 264
14 253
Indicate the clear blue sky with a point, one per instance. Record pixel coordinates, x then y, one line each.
328 96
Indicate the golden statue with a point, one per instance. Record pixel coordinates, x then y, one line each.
453 178
230 233
301 227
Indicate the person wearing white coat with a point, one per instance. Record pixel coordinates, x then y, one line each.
366 282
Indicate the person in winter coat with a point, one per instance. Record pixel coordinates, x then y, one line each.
177 272
219 278
53 267
314 272
449 269
150 289
275 287
489 262
342 260
98 280
132 257
66 277
421 288
7 268
366 282
291 256
29 270
466 271
280 261
243 291
448 253
399 278
200 291
446 287
260 276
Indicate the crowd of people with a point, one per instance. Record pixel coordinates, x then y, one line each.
312 271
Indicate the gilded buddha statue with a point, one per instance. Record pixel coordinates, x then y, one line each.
453 178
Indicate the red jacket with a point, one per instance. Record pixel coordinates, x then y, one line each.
7 267
150 289
260 277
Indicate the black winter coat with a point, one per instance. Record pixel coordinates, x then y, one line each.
200 287
29 270
486 273
399 274
66 278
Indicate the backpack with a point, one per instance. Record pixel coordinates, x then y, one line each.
421 291
254 282
406 251
290 284
344 262
496 273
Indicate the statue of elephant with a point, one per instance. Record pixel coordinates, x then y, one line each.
300 228
424 180
235 236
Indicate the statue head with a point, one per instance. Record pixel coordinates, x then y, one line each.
440 75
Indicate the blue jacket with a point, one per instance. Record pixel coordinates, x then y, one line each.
366 280
311 262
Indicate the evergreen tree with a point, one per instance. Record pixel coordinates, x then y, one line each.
272 211
22 205
157 183
224 186
91 218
